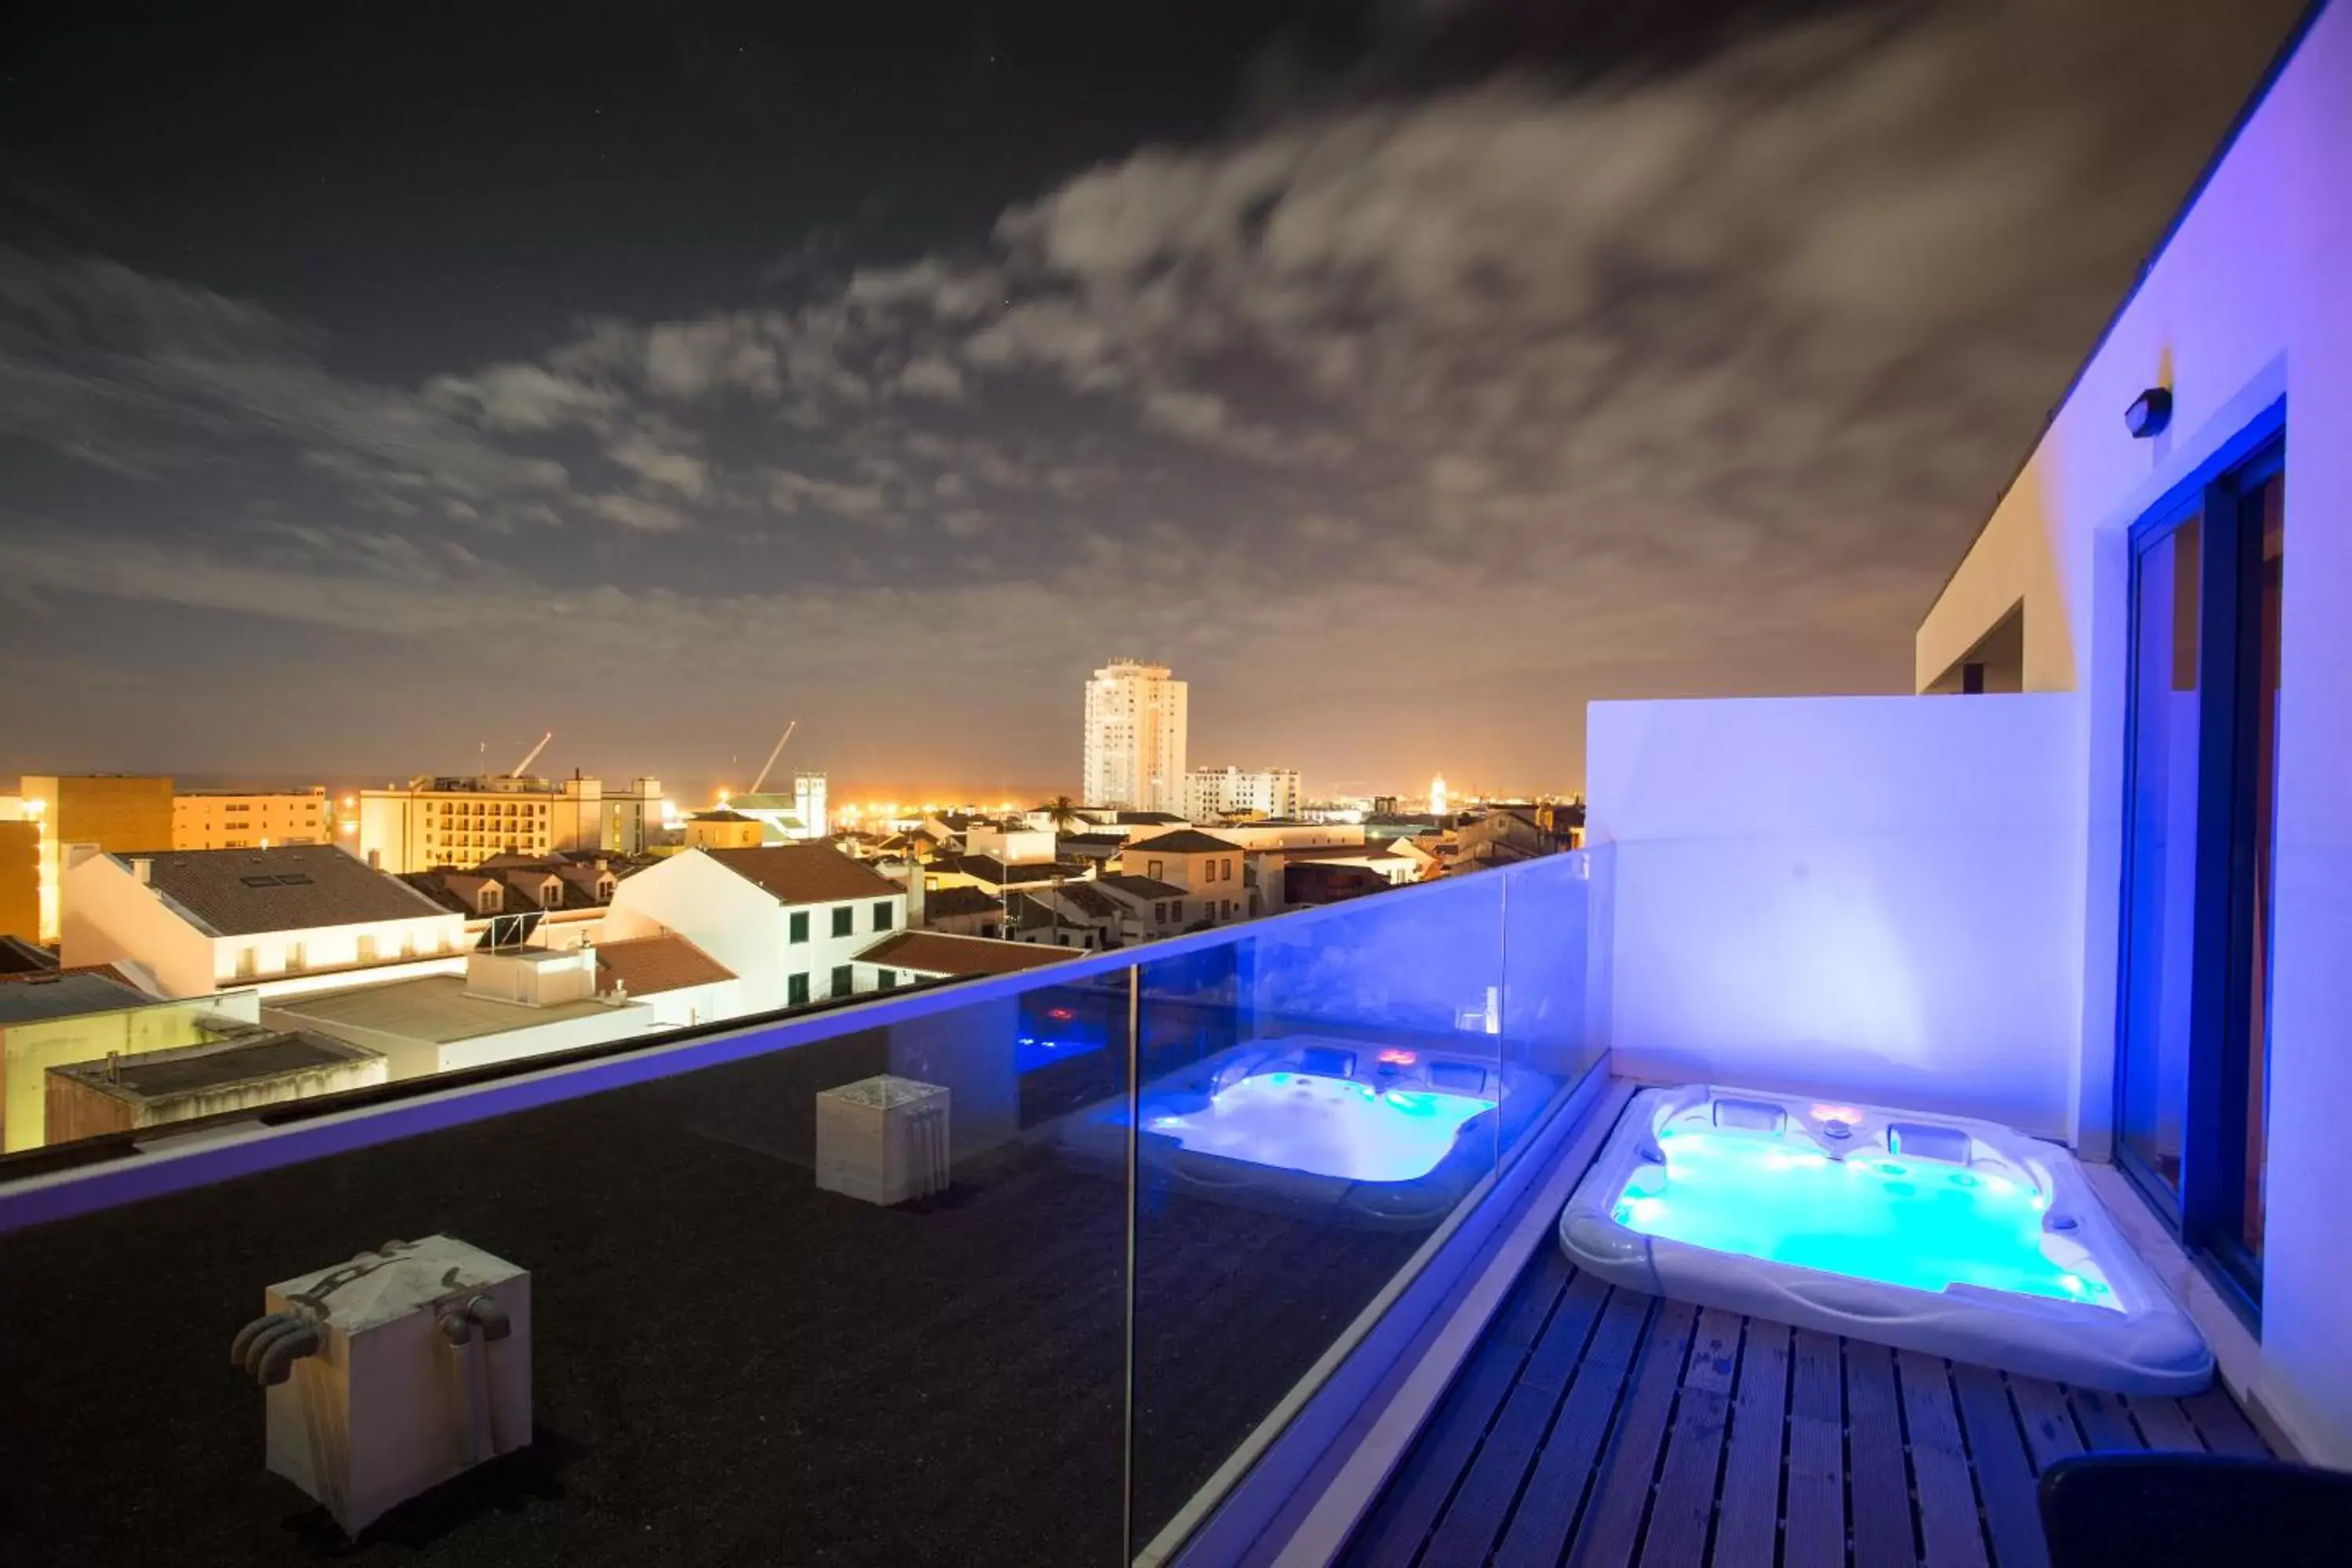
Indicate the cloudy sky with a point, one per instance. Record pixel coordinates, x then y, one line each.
376 386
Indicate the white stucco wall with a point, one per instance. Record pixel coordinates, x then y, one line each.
1871 898
112 917
2246 305
744 928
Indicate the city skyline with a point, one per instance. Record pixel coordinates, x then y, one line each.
658 381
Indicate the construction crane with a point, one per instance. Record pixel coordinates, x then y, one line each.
531 756
773 756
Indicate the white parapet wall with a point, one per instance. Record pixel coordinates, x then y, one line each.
1874 897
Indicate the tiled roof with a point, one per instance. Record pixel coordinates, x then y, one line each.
950 902
296 886
1140 887
939 953
1185 841
804 873
1087 901
989 868
27 998
649 966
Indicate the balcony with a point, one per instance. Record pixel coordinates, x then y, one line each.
1026 1331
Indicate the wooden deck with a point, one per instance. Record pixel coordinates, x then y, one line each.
1596 1425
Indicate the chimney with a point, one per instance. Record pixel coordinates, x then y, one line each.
143 869
915 896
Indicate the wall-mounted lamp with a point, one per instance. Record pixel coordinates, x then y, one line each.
2149 413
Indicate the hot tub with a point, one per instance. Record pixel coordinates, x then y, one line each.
1389 1134
1959 1239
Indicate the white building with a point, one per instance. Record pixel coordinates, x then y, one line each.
2106 905
1212 793
788 921
197 922
1135 737
248 819
506 1005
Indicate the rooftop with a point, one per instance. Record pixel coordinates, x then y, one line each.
942 952
1186 841
434 1008
950 903
804 873
182 1070
649 966
1140 887
25 998
294 887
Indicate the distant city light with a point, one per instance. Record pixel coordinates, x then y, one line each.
1437 795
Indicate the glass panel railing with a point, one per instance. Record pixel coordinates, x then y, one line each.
1549 1041
1028 1269
847 1299
1315 1097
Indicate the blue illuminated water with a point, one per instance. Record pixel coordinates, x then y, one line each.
1324 1126
1917 1223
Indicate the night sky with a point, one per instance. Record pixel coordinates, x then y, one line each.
381 381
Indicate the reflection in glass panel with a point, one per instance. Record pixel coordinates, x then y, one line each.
2160 869
2270 503
1314 1099
844 1300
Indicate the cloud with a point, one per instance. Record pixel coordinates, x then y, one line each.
931 376
1710 365
519 398
636 512
789 492
642 455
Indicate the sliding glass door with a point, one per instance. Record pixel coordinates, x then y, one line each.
2191 1116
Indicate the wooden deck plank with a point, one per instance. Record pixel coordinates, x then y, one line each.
1521 1320
1553 1361
1467 1529
1747 1531
1418 1493
2223 1426
2105 1423
1813 1534
1634 1427
1539 1531
1684 1508
1879 1485
1622 1489
1950 1534
2004 1475
2050 1431
2163 1424
1475 1517
1715 1351
1814 1388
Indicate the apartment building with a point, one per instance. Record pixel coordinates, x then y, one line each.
1135 726
250 819
1213 793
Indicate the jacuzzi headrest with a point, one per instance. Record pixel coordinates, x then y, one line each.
1751 1115
1926 1141
1459 1077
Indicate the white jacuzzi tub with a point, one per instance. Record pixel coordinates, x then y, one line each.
1960 1238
